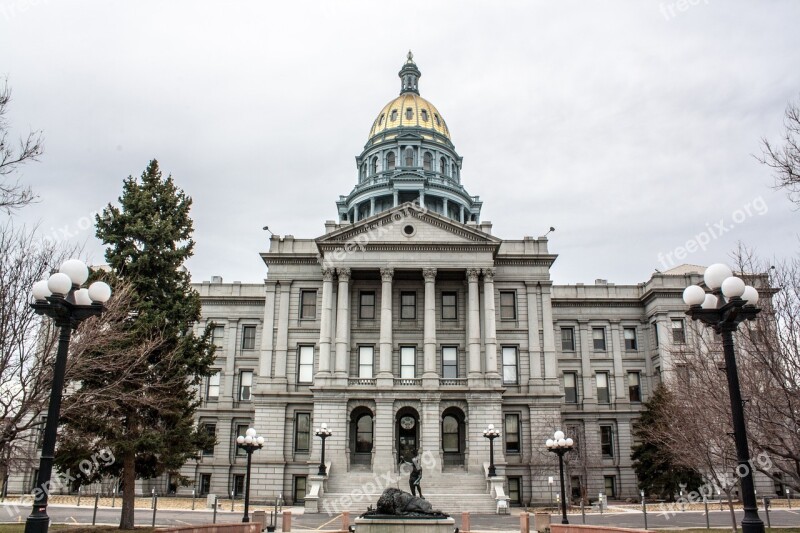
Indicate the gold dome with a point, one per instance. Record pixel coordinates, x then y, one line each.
409 110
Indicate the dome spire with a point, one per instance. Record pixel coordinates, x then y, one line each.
409 76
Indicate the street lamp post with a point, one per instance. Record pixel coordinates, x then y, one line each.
323 432
730 303
249 442
491 433
62 299
560 445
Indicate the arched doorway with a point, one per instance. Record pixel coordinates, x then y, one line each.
362 436
453 437
407 431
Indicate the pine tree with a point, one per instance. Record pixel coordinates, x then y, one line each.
655 467
149 424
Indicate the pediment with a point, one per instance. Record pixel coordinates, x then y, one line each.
390 228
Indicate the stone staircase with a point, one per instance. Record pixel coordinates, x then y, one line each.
450 492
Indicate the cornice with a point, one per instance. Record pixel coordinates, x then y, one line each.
233 300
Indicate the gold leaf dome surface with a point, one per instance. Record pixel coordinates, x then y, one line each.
409 110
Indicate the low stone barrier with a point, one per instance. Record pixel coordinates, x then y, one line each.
250 527
575 528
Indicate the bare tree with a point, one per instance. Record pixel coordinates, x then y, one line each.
13 194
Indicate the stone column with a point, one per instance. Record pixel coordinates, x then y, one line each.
372 206
267 331
444 208
383 437
394 199
461 213
343 323
385 360
324 368
548 336
430 433
282 344
422 198
534 347
489 323
473 324
619 375
589 395
429 333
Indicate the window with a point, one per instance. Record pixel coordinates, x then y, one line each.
570 387
510 365
449 306
365 357
449 362
630 339
390 161
426 161
408 356
450 437
634 387
373 168
308 304
409 113
366 308
577 487
245 385
599 339
606 441
211 431
436 118
40 436
212 393
205 484
508 305
302 432
567 339
442 165
678 333
248 337
218 335
408 305
409 157
305 364
514 491
602 388
657 376
238 485
393 116
364 434
611 486
380 120
511 430
424 114
241 429
299 489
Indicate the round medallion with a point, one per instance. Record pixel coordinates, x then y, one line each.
407 422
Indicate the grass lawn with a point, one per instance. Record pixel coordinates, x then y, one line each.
20 528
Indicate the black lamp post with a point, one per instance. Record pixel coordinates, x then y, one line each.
491 433
62 299
729 303
249 442
323 432
559 446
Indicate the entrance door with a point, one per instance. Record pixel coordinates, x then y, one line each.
407 425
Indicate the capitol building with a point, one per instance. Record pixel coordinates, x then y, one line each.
407 327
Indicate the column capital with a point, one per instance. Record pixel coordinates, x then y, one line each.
488 274
387 274
473 273
344 274
327 274
429 274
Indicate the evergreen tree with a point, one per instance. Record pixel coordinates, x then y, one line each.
148 425
655 467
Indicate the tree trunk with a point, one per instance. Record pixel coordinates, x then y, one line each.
126 519
733 512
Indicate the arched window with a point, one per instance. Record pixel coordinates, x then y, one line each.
409 157
393 116
409 113
364 434
363 170
374 166
424 114
454 170
442 166
380 120
426 161
450 441
436 117
390 161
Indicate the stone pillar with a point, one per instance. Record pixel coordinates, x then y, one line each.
489 324
343 324
429 433
394 198
429 333
324 368
461 213
372 206
383 437
385 360
534 347
267 331
589 395
548 336
619 375
282 343
473 324
422 198
444 208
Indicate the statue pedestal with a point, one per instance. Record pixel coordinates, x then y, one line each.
405 525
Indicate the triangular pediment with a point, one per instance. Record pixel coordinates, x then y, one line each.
407 224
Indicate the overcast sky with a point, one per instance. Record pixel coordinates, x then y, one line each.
628 126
